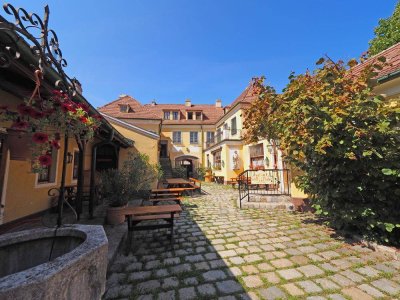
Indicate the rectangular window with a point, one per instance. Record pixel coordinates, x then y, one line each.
48 175
177 137
166 115
210 137
217 160
75 166
198 115
257 157
175 115
194 137
219 135
233 126
190 115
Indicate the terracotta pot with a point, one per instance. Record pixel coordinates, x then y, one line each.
115 215
208 178
19 144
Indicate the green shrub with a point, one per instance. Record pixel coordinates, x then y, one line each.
344 139
134 179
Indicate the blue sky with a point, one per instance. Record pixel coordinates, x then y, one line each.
170 50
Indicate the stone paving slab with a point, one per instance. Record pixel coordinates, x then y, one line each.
222 252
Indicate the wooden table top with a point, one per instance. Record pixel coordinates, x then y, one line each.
168 190
177 181
160 209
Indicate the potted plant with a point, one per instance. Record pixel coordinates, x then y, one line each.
118 187
208 176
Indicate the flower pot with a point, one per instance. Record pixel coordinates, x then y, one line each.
208 178
115 215
19 143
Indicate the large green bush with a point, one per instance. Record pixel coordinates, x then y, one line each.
135 177
344 139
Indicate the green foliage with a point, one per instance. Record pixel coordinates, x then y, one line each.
137 175
344 139
200 172
387 33
179 172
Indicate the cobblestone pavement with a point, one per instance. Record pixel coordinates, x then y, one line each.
221 252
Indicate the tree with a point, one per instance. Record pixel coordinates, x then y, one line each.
387 33
343 138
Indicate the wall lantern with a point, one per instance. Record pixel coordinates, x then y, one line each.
70 157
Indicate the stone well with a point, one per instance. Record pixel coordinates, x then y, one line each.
45 263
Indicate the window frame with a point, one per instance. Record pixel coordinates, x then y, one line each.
194 141
167 113
234 129
177 115
174 140
52 172
217 160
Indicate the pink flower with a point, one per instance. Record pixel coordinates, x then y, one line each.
36 114
40 138
20 125
45 160
24 109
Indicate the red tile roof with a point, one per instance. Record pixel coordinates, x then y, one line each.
392 56
211 113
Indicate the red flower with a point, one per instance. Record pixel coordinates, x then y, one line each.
57 93
20 125
83 106
40 138
36 114
55 144
68 106
24 109
83 119
45 160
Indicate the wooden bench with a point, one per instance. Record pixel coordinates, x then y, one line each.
137 214
195 182
164 195
155 201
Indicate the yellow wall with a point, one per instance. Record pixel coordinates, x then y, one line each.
23 195
184 148
142 143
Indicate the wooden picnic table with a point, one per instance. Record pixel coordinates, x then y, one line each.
137 214
177 182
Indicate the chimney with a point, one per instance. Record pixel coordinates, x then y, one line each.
188 103
218 103
153 102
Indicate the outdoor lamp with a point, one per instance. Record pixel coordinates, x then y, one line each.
70 157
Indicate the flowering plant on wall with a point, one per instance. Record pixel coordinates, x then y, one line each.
45 120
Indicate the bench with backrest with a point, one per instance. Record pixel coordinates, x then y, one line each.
195 182
137 214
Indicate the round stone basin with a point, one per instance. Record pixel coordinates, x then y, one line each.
47 263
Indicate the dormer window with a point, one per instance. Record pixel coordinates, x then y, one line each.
124 108
190 115
175 115
167 115
199 115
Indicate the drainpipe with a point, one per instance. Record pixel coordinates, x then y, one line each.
93 170
62 187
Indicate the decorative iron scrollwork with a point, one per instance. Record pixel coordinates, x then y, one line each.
42 41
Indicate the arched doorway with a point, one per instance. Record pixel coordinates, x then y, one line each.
189 162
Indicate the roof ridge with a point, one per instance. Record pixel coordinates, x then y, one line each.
121 98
